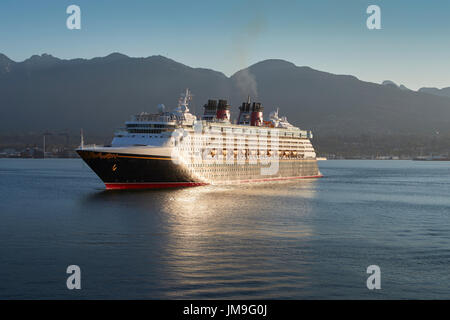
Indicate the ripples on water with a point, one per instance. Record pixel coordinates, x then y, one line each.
302 240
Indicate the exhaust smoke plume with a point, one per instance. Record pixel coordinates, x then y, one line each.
243 43
246 83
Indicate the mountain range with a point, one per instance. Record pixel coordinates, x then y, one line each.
445 92
99 94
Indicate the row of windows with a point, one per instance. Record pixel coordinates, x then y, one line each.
230 166
243 146
212 137
220 170
144 131
149 125
280 134
251 131
219 129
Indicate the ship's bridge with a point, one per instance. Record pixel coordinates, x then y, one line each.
149 127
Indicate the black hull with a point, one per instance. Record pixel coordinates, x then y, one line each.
131 171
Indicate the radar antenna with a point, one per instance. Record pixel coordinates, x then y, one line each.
183 102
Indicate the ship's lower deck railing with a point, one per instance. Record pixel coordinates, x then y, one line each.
90 146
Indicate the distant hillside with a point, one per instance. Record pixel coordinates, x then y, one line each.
44 92
444 92
394 85
97 94
5 64
344 105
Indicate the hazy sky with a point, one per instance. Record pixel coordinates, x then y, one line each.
413 47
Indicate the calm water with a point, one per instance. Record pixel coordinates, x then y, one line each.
303 240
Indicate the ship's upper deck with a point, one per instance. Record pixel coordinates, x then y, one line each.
164 123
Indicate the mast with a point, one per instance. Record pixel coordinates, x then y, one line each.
82 139
183 102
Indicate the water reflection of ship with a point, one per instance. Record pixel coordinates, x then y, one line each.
223 241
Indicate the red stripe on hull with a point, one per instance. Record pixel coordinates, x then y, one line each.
155 185
161 185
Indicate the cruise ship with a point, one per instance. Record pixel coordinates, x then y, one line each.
176 149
